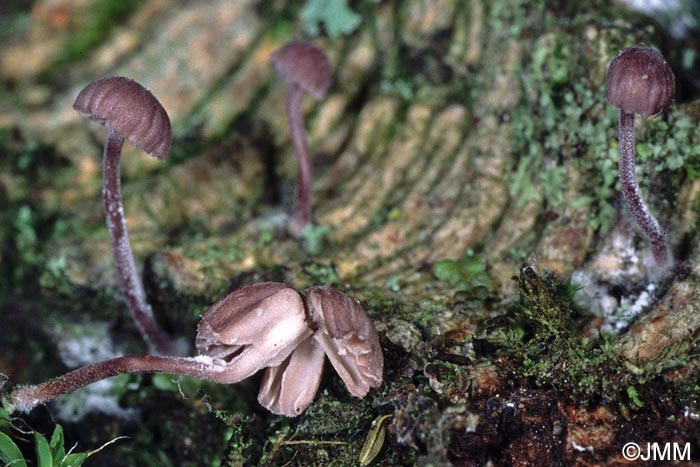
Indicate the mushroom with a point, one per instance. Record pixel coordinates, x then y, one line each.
128 110
639 81
305 67
254 327
251 328
346 335
266 325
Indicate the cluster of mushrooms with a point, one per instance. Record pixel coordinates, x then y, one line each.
261 326
272 326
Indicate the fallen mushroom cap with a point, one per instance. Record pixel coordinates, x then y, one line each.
253 327
348 337
640 81
305 65
131 110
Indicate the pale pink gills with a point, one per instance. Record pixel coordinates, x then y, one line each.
288 389
348 337
131 110
303 64
253 327
128 110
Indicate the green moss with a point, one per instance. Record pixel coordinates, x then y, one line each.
542 346
212 249
26 224
670 145
321 274
330 432
559 123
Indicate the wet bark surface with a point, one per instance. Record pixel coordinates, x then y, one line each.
464 191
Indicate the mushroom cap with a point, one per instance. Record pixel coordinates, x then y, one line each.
303 64
640 81
348 337
131 110
253 327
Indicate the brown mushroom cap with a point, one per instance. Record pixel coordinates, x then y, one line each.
253 327
348 337
305 65
640 81
131 110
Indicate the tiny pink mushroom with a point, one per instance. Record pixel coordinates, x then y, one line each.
305 68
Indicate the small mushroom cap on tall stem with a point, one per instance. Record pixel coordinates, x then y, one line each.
640 81
305 65
131 110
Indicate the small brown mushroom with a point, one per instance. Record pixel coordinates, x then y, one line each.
251 328
305 67
639 81
258 326
128 110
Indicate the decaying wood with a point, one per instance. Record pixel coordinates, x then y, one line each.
452 130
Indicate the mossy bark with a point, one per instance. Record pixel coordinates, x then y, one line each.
471 134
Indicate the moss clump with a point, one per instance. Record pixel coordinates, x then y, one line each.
469 277
26 222
543 346
330 432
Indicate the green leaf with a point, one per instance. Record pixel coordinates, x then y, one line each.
4 418
448 271
43 451
335 16
57 447
74 460
77 459
10 455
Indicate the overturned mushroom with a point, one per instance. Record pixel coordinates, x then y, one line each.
266 325
128 110
254 327
306 68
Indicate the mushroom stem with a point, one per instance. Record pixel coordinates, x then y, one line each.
302 209
129 281
25 398
633 197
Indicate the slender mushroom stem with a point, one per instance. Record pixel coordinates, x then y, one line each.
129 280
633 197
25 398
302 209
